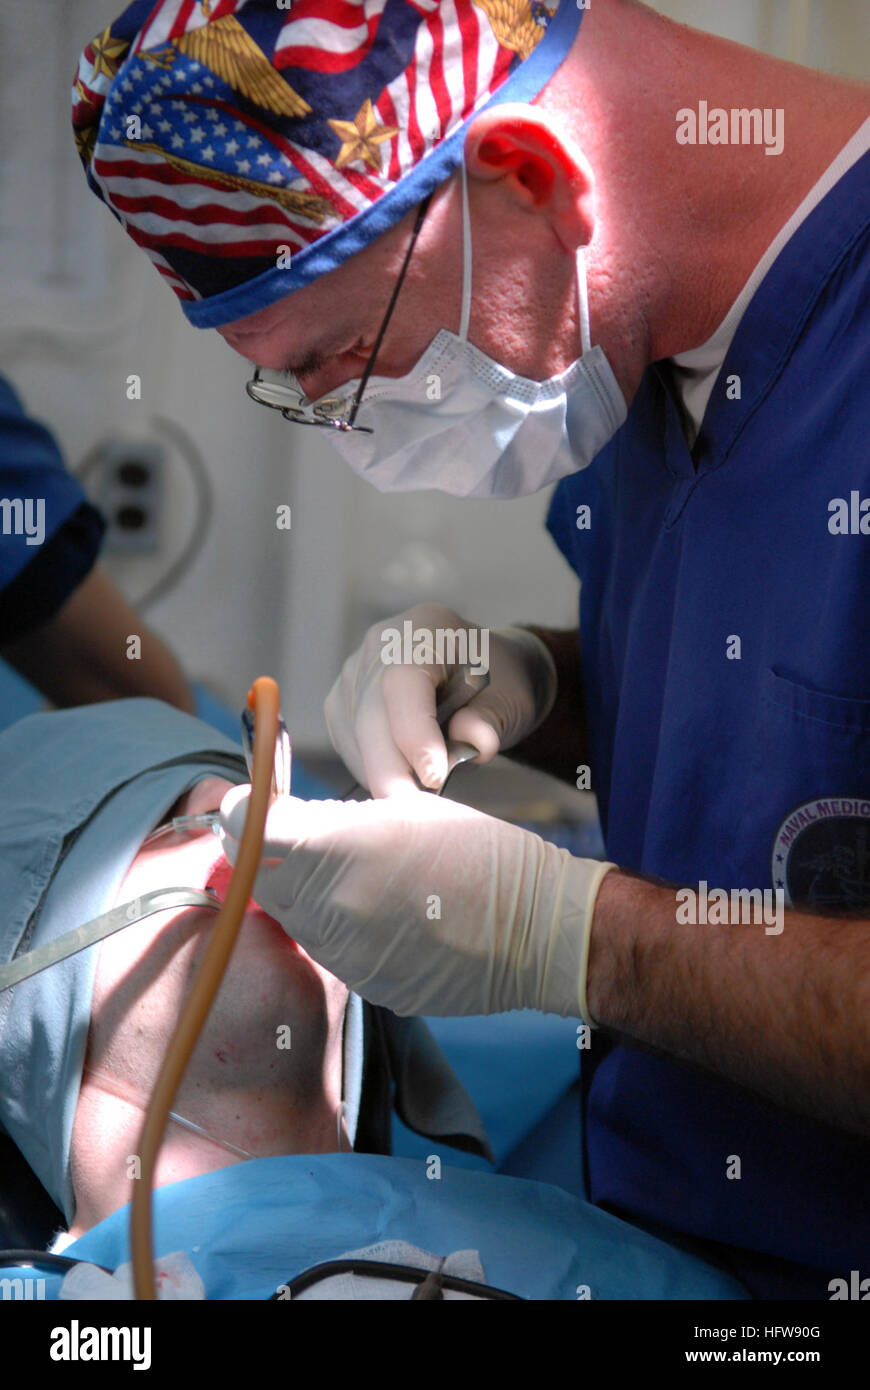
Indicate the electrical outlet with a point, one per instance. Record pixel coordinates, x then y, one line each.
129 493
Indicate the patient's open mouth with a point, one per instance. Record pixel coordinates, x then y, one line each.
218 882
220 876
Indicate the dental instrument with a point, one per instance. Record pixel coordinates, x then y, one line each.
462 687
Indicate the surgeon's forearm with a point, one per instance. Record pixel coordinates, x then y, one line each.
786 1015
559 745
87 652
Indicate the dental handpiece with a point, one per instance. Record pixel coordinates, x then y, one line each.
283 753
462 687
280 780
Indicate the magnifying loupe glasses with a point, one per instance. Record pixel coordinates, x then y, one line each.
281 391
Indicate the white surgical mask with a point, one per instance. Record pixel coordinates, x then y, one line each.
463 424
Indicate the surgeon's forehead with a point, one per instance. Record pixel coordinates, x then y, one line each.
302 308
283 313
319 318
304 342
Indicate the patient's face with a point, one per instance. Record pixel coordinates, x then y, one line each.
266 1072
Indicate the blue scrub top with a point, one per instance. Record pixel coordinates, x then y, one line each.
37 579
745 766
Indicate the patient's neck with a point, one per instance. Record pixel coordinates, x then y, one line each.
108 1127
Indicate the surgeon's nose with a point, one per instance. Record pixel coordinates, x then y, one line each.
333 376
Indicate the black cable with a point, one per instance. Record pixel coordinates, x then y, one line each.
433 1283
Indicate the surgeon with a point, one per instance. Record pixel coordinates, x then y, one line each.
276 1155
519 255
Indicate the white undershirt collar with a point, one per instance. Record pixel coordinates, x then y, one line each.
695 371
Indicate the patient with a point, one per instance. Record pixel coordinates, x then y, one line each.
244 1084
281 1062
82 1041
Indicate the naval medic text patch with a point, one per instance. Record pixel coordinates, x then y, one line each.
821 854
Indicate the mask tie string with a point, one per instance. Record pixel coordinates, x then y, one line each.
466 258
583 303
339 1118
582 284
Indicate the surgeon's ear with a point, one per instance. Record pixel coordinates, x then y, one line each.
544 168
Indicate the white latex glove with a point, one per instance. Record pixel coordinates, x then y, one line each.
426 906
381 718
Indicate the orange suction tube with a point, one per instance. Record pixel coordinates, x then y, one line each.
264 700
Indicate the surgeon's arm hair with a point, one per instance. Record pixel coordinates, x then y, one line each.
80 656
559 746
785 1015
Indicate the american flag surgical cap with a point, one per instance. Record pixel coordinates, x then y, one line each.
250 146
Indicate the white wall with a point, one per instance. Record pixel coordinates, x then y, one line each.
80 310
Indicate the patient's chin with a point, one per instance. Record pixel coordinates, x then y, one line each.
282 965
277 1017
282 945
